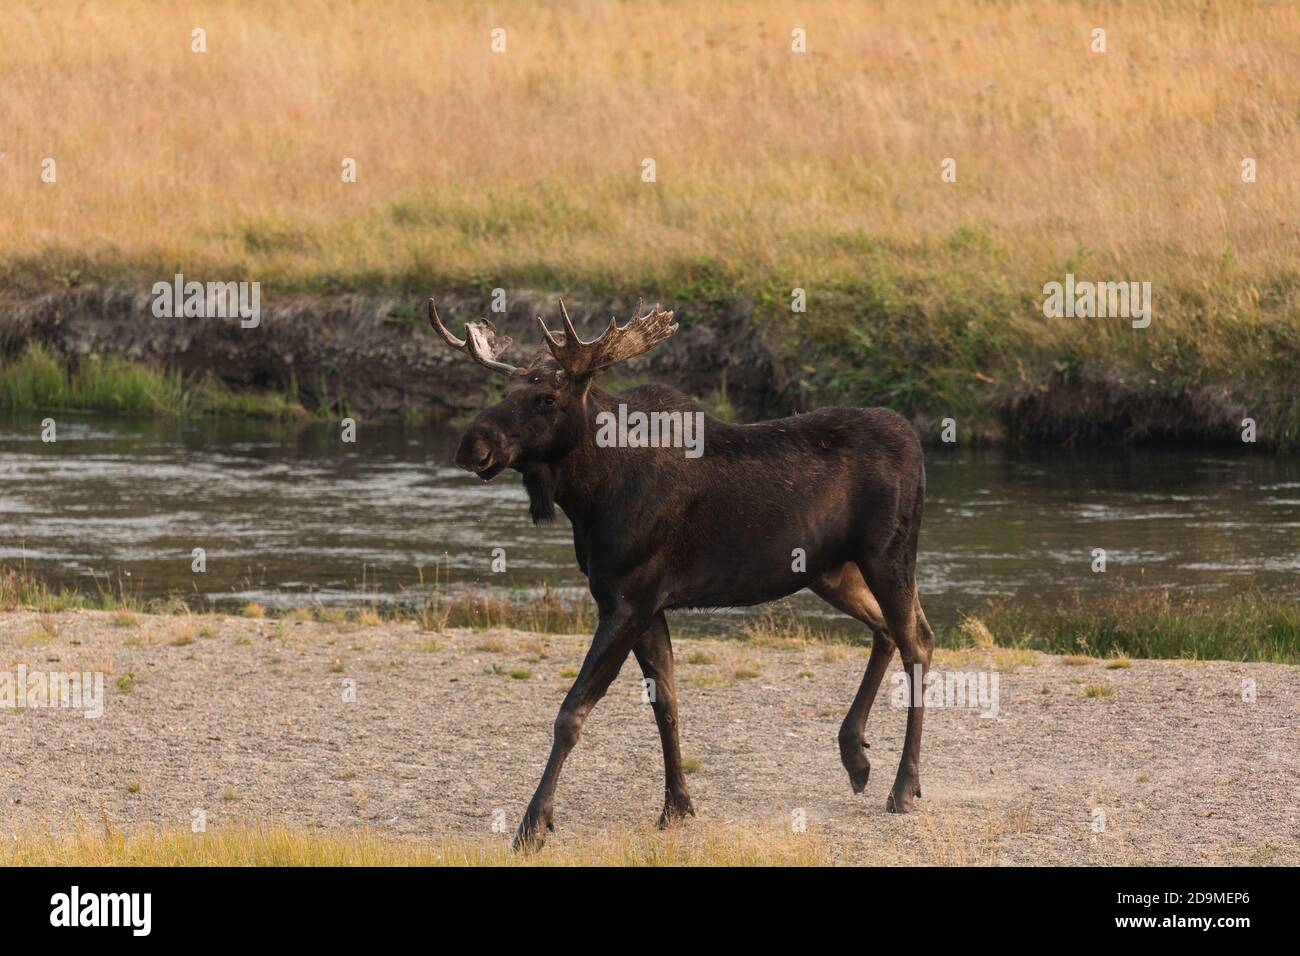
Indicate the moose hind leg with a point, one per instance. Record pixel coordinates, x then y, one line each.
927 647
654 652
891 577
847 591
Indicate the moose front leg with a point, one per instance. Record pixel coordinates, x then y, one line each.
615 635
654 652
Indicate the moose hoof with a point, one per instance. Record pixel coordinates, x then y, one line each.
531 835
854 757
676 809
900 798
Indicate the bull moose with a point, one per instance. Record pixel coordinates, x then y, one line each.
829 500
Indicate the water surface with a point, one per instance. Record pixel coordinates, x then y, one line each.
290 513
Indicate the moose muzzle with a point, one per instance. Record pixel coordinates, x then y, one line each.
477 453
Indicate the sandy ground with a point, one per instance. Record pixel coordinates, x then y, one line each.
247 720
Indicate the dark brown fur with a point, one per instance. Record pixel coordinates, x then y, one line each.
655 530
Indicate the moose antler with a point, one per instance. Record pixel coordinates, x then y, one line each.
481 342
616 344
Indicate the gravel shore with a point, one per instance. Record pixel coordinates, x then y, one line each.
417 733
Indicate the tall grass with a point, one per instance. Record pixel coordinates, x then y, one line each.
769 163
20 588
36 379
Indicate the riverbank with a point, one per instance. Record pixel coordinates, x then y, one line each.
1248 626
412 735
946 351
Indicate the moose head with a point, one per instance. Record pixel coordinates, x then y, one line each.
543 415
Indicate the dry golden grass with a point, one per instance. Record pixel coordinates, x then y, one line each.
997 658
528 162
954 837
277 845
976 633
783 627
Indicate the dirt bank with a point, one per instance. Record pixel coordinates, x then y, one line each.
1166 763
376 354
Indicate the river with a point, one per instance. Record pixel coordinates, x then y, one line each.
290 513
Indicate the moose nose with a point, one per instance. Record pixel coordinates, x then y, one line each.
474 453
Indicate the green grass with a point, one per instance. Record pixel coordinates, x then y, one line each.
21 588
36 379
950 329
1152 624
